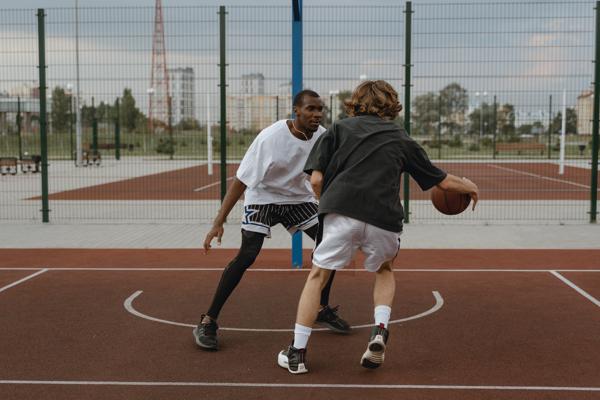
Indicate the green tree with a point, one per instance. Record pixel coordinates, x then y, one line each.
104 112
481 120
525 129
505 120
130 115
425 114
188 124
454 107
87 115
61 110
571 125
343 96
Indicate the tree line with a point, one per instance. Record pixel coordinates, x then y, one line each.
448 110
63 111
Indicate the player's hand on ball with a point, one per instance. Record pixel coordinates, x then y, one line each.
474 191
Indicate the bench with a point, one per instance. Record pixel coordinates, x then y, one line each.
30 164
519 147
8 165
111 146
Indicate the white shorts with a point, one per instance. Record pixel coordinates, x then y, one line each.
342 236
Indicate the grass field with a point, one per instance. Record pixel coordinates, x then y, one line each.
193 144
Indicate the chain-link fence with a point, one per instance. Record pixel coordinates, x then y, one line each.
490 83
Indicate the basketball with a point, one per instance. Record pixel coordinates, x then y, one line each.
449 203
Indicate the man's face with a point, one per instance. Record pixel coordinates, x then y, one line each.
309 113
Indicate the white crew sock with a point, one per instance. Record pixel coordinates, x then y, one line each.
301 335
382 315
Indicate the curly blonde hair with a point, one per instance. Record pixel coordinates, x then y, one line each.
374 97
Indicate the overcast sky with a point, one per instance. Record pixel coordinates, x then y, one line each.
522 51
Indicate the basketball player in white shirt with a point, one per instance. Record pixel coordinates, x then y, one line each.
277 191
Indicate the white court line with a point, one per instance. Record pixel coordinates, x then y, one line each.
211 184
298 270
577 288
23 280
128 304
541 176
304 385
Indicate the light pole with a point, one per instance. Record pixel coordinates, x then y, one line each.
150 92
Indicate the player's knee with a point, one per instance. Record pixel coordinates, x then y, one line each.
319 275
251 245
386 267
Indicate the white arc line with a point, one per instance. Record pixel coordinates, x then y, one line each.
577 288
128 304
304 385
540 176
23 280
296 270
211 185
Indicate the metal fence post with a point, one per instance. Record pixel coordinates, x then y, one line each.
439 127
550 128
494 128
223 86
595 122
19 119
117 131
407 71
297 78
43 124
94 129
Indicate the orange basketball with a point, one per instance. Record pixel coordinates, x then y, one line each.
449 203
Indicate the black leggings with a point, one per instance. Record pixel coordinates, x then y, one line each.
232 275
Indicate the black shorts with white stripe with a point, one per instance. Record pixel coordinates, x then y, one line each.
261 217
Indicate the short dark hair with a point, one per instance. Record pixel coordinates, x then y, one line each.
299 98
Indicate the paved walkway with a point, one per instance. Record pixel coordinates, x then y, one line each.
581 236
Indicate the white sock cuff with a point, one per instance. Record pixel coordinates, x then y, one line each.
301 335
382 315
303 330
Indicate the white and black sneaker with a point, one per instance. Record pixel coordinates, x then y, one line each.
375 354
293 359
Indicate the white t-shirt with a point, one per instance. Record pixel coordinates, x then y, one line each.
273 167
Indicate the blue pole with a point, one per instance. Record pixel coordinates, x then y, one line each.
296 87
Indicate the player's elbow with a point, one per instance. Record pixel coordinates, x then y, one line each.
446 183
316 179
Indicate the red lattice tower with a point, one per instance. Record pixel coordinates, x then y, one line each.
159 79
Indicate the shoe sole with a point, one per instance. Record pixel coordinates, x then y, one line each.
282 361
200 344
375 354
334 328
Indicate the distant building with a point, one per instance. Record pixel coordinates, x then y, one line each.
584 110
26 99
182 90
285 100
253 84
251 112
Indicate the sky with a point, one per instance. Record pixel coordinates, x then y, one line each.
521 52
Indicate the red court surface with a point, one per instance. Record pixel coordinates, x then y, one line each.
496 181
473 324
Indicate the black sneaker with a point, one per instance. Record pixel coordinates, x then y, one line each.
206 334
375 353
329 317
293 359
